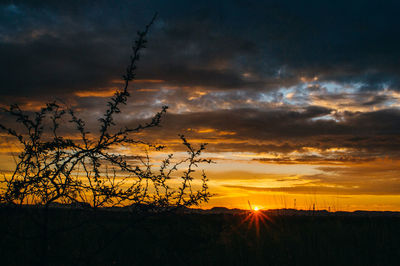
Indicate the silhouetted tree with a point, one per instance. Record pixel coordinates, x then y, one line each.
54 167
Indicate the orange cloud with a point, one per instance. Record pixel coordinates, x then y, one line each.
148 81
103 93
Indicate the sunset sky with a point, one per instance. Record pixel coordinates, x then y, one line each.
298 100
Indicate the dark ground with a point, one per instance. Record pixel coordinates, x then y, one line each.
82 237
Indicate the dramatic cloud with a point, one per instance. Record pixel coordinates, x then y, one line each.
62 47
284 83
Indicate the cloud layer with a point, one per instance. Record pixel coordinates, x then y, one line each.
286 82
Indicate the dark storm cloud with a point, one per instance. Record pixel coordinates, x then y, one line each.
363 136
55 67
58 46
236 51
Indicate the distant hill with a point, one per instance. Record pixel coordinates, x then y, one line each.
219 210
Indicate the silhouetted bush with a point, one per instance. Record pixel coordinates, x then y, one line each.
59 170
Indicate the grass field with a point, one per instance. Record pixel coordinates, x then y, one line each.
80 237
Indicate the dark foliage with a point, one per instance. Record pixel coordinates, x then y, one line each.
55 167
84 169
208 239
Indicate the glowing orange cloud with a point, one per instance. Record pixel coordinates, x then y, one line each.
96 93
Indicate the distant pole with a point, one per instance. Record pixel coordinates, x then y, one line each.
294 204
250 205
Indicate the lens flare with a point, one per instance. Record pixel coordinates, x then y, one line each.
256 218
